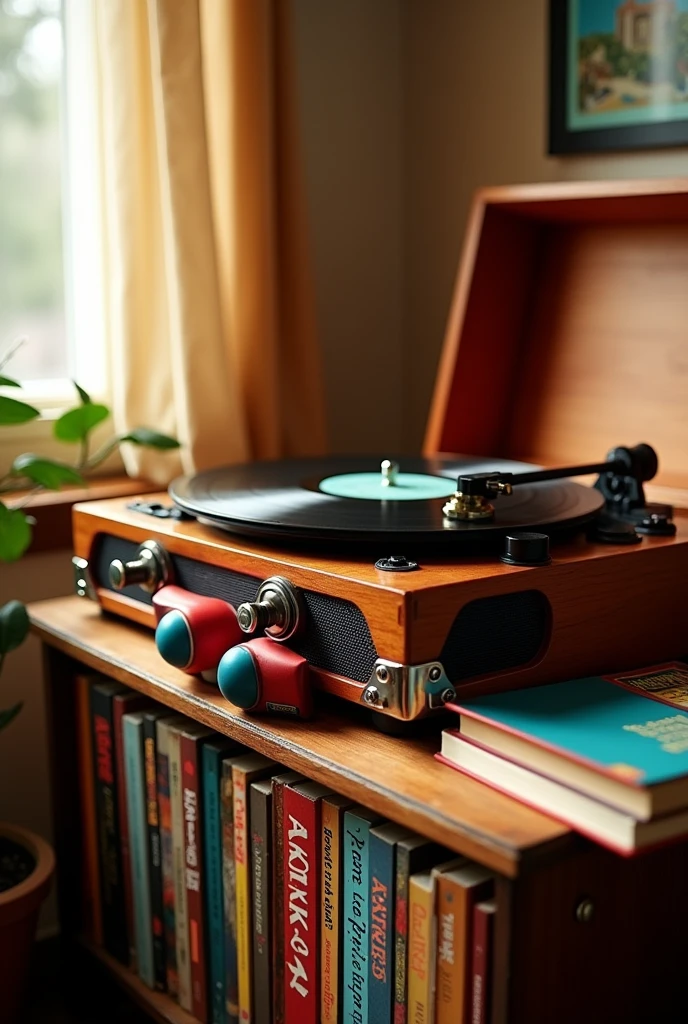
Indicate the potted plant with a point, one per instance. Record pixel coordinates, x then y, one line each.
26 860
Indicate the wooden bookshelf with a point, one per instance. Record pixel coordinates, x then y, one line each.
551 961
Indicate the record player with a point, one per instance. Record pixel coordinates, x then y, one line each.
549 550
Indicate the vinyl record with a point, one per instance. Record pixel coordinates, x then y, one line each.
301 500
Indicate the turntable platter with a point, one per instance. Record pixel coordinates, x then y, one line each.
335 499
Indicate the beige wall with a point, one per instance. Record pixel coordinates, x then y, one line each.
475 85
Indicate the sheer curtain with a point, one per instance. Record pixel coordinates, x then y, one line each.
208 291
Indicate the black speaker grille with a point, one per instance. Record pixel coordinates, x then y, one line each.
494 634
337 638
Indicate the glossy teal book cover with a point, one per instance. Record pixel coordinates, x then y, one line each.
214 895
356 913
132 731
597 722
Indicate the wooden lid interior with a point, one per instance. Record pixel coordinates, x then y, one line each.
568 333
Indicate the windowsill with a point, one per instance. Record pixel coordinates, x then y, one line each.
52 510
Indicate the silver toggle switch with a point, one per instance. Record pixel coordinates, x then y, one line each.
149 570
278 610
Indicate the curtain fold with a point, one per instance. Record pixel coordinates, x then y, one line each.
210 303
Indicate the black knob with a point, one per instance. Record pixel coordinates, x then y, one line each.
526 549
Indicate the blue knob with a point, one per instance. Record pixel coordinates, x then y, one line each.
237 678
174 640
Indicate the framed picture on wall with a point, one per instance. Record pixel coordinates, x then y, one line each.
618 74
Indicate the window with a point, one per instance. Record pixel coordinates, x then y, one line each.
50 263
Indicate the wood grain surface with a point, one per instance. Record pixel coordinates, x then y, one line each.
396 777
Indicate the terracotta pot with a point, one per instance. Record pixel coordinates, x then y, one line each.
19 909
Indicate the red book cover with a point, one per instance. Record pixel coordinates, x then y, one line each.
191 803
483 922
301 860
279 784
124 704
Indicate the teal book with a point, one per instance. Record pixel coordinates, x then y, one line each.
356 913
600 736
383 843
212 754
134 761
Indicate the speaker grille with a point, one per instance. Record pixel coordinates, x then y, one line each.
494 634
336 639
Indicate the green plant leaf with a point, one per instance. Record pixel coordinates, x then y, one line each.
150 439
8 714
83 395
12 411
46 472
14 626
78 423
15 533
9 382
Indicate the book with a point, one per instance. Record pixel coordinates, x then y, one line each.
332 822
245 770
92 916
279 783
413 854
192 794
301 860
383 841
606 825
481 966
213 753
231 982
613 742
163 727
112 898
421 954
181 919
458 890
150 719
132 730
261 894
355 912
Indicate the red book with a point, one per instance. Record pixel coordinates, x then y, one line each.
190 752
483 923
301 859
124 704
279 784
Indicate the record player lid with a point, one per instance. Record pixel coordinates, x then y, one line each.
567 328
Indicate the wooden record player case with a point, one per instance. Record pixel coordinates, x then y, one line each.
568 336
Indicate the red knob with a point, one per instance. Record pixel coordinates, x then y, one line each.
193 632
264 676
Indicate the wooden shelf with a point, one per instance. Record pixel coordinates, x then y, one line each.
161 1007
397 777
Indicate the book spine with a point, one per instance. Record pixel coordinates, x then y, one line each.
165 817
449 997
214 898
261 867
190 748
111 881
92 911
483 922
330 921
181 921
278 789
154 852
243 894
138 846
420 954
381 974
355 915
301 831
229 892
401 934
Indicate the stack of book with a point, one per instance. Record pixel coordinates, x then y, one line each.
606 755
250 893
